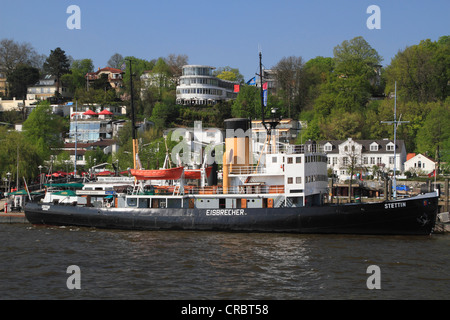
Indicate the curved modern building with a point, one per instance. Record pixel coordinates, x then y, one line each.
198 86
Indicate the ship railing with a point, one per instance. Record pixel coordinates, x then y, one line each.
295 149
242 189
238 169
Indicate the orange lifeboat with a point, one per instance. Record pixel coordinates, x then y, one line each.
162 174
196 173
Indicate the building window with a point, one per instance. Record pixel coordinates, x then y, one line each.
391 160
390 147
372 160
379 160
328 147
374 147
365 160
345 161
334 160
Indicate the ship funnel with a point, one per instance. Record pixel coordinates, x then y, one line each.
238 153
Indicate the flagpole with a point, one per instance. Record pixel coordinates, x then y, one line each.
76 139
133 125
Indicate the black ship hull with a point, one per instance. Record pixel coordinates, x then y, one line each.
414 216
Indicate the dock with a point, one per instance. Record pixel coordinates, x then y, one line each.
13 217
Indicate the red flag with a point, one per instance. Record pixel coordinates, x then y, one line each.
236 88
432 174
265 86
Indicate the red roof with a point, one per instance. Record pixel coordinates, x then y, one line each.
112 70
410 155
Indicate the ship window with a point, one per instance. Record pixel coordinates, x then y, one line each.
274 159
289 160
298 160
298 180
290 180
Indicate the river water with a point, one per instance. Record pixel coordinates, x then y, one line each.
174 265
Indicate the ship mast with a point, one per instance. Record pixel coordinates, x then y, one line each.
268 125
133 120
396 123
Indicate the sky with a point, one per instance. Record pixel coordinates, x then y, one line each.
220 33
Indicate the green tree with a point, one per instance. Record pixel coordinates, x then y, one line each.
13 144
19 80
43 129
77 76
230 74
421 71
434 135
247 103
57 64
317 72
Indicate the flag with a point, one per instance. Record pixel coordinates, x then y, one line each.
123 67
236 88
252 81
432 174
265 94
265 98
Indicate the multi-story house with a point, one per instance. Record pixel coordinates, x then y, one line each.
364 157
45 88
198 86
115 77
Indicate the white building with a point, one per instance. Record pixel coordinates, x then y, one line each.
198 86
45 88
363 156
418 163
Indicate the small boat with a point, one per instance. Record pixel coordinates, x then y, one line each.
160 174
196 174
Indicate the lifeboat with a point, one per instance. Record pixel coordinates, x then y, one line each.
196 173
162 174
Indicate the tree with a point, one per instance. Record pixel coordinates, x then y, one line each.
12 54
43 128
229 74
20 78
57 64
13 143
355 57
291 79
434 135
317 72
421 71
247 103
176 63
77 76
348 87
116 61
